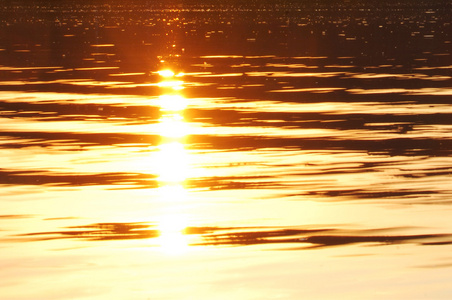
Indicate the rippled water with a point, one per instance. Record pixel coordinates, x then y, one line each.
234 151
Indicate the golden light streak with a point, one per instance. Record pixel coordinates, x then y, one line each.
172 103
176 85
172 165
166 73
172 239
173 127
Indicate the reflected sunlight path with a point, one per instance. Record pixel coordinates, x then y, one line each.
173 164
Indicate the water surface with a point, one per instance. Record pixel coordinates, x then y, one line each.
206 151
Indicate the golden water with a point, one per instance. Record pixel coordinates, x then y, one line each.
203 172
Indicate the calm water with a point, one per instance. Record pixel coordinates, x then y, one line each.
226 151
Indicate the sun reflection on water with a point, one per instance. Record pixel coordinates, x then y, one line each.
173 128
172 165
176 85
172 102
172 239
166 73
169 80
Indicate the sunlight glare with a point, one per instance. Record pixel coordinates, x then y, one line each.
176 85
166 73
172 102
172 238
172 163
173 127
173 192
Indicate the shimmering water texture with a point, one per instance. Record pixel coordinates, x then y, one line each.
268 150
